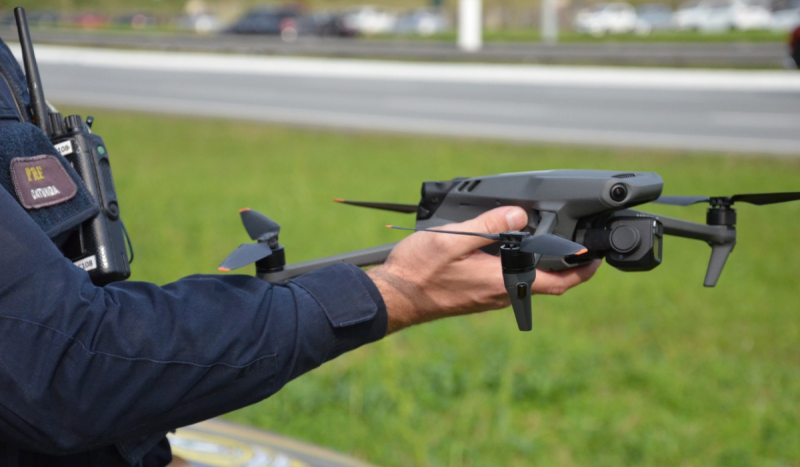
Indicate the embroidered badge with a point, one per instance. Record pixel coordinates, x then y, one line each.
41 181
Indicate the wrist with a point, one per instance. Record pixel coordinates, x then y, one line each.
399 295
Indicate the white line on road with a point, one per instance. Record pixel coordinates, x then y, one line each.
594 77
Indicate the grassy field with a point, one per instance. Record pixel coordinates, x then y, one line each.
569 36
631 369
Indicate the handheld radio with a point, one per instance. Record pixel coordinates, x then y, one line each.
98 245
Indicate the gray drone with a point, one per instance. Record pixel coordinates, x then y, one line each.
574 217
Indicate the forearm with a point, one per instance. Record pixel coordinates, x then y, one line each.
82 366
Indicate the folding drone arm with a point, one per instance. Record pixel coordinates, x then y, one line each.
721 238
361 258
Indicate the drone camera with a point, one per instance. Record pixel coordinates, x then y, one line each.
635 243
628 243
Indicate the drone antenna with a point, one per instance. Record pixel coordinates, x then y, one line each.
38 103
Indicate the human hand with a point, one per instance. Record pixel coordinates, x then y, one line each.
430 276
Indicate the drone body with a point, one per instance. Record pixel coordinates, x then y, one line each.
556 200
567 211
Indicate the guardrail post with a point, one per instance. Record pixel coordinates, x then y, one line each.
470 34
550 21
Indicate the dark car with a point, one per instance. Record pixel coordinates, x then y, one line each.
331 24
794 46
289 23
285 22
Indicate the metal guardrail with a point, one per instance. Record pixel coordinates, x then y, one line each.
749 55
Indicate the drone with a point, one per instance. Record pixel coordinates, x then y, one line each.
574 218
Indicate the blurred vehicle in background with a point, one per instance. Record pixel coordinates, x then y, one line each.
794 46
289 22
282 21
369 20
329 24
200 23
741 15
136 21
603 18
423 22
692 15
785 19
88 20
39 19
653 17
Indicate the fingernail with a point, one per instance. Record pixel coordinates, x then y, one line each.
517 219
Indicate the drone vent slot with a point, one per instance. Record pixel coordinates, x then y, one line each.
624 176
463 185
473 185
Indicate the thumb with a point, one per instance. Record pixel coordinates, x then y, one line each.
503 219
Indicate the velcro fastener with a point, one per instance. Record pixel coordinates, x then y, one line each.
341 294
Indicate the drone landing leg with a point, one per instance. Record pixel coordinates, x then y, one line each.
719 254
518 286
721 238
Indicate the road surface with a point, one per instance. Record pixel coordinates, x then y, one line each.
732 111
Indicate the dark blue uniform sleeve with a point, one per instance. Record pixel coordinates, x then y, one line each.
83 366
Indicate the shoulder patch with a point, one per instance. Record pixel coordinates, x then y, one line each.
41 181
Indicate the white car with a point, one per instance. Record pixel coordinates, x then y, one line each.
692 15
742 15
785 20
369 20
603 18
423 22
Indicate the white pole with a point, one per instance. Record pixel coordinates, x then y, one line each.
550 21
470 36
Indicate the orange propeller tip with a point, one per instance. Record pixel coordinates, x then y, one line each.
223 269
338 200
243 210
389 226
582 252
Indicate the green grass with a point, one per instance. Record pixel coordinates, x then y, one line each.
569 36
631 369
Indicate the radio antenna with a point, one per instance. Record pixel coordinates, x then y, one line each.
38 104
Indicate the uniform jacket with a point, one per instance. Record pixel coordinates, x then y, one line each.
95 376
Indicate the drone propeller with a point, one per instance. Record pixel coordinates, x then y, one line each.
247 253
759 199
547 244
404 208
258 225
260 228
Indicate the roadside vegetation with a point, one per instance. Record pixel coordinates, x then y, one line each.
570 36
631 369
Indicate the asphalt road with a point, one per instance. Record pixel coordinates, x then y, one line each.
734 111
